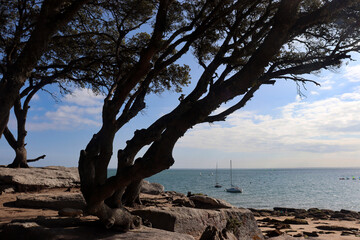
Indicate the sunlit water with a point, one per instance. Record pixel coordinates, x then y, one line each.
265 188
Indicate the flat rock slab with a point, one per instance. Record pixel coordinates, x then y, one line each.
33 179
203 201
32 230
151 188
194 221
53 201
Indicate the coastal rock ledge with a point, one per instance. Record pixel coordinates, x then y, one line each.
194 221
167 215
34 179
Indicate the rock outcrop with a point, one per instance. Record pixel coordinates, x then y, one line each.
37 178
51 201
34 179
203 201
33 230
314 213
194 221
151 188
172 215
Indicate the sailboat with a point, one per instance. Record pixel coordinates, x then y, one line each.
217 185
233 188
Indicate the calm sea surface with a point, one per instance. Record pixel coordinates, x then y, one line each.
268 188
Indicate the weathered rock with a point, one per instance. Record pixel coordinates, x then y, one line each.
212 233
273 233
28 230
194 221
338 215
270 220
70 212
286 211
6 189
33 179
183 202
350 213
295 221
51 201
203 201
32 230
282 226
319 214
286 237
335 228
151 188
311 234
261 212
347 233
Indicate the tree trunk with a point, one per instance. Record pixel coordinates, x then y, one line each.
20 160
132 192
93 165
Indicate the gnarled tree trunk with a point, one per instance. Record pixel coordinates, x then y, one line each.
20 160
93 165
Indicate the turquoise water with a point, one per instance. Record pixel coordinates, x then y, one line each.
268 188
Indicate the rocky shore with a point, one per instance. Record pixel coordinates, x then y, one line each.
46 203
312 222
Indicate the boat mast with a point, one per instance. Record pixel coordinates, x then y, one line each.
231 173
216 178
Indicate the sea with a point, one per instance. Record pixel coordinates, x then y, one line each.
323 188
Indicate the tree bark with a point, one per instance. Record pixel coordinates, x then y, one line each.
20 160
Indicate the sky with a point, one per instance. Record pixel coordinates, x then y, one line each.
278 128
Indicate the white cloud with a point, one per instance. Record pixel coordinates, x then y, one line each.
35 97
326 82
352 73
326 126
83 97
314 93
82 109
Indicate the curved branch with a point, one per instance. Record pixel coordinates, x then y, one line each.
222 116
10 138
36 159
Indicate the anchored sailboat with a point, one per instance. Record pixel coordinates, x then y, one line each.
233 188
217 185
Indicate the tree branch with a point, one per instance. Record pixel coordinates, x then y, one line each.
36 159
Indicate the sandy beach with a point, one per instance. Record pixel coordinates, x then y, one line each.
8 213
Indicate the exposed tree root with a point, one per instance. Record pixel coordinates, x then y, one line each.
116 218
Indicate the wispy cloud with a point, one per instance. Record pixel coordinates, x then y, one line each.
352 73
325 126
83 97
78 110
326 82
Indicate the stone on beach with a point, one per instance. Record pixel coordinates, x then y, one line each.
195 221
203 201
151 188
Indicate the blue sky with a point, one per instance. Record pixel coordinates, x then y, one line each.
276 129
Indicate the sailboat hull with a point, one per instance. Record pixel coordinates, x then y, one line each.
234 190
